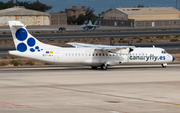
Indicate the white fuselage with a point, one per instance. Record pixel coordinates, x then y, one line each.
90 57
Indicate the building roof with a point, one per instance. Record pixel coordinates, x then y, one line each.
21 11
149 10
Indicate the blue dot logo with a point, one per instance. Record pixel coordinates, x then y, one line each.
37 47
21 34
31 42
21 47
32 50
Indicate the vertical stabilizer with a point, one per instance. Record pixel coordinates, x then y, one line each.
90 23
23 40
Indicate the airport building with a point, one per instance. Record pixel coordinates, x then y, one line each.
31 17
75 12
142 17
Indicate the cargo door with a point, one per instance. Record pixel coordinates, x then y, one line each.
56 57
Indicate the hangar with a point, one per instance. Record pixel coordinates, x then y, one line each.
27 16
31 17
142 17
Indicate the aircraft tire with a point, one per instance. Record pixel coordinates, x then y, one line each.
164 65
93 67
103 67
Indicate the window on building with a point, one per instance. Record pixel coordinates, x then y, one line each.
139 23
148 23
168 22
158 23
177 22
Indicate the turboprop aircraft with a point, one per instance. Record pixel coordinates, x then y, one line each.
90 25
83 54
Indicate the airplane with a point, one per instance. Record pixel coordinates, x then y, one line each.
89 25
92 55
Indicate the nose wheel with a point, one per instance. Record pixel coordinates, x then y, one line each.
164 65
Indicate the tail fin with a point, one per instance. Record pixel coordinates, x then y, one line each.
90 23
23 40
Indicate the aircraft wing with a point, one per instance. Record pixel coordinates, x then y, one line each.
104 48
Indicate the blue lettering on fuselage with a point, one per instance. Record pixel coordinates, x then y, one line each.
147 58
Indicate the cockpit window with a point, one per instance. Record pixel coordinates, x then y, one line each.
163 52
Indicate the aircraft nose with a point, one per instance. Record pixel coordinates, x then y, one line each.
173 58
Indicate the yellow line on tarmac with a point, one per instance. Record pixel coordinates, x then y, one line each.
112 95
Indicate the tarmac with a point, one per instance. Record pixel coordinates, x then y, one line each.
79 89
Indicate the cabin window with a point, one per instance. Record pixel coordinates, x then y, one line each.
86 54
79 54
82 54
103 54
99 54
163 52
106 54
75 54
96 54
109 54
69 54
72 54
66 54
93 54
89 54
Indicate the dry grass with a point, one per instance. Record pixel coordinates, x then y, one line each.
104 40
177 57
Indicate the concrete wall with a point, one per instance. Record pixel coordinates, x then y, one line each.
27 20
115 14
153 16
58 18
118 23
157 23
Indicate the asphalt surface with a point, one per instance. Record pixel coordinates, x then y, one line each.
95 34
78 89
78 28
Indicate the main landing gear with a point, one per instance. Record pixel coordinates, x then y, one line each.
164 65
103 67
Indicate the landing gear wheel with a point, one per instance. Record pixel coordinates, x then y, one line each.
103 67
93 67
164 65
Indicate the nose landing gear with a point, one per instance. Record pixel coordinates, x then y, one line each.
164 65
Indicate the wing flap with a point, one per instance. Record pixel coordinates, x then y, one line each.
104 48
